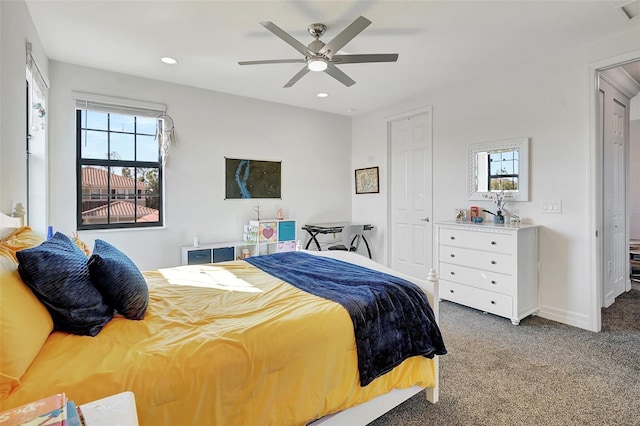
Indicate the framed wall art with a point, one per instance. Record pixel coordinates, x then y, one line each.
252 179
367 181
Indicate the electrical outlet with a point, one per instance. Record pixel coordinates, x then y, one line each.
552 206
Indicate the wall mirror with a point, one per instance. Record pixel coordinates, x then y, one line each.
500 165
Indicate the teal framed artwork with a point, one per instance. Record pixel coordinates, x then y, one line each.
245 179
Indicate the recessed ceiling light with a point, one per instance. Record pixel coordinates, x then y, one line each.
169 60
322 95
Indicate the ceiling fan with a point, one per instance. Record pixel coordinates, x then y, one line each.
319 56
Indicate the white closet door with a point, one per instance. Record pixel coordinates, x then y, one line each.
615 245
411 194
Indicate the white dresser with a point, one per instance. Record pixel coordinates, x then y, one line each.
489 267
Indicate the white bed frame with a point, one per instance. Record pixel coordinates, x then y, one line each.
366 412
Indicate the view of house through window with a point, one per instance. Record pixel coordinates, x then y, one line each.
119 170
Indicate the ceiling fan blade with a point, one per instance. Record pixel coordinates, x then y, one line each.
345 36
297 77
286 37
357 59
272 61
334 72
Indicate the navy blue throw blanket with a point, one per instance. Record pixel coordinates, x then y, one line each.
392 319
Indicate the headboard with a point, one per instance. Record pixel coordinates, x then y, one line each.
9 224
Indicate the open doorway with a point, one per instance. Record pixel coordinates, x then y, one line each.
618 154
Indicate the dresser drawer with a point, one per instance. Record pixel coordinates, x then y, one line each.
498 304
491 281
486 241
487 261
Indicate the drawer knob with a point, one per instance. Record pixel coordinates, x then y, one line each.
493 262
451 291
452 273
452 237
453 255
493 302
493 281
493 243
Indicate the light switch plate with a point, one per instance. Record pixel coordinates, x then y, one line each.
552 206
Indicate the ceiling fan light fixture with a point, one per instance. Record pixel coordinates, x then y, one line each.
317 64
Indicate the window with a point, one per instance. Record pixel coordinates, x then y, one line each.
119 167
503 170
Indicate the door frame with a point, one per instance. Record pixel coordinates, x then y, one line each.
596 176
389 119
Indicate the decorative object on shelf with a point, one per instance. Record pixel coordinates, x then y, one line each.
500 200
252 179
461 215
196 241
474 212
257 210
165 134
280 215
515 220
478 219
367 181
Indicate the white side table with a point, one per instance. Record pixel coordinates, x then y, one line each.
114 410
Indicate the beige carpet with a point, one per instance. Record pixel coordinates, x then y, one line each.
538 373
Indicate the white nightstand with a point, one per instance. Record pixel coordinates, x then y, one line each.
114 410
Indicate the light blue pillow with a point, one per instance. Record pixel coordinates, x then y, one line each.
57 273
119 280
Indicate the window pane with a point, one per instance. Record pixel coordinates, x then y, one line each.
507 167
147 148
503 183
94 145
149 186
122 147
97 120
93 208
146 125
122 210
121 123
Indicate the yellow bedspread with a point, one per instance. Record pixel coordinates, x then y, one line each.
222 344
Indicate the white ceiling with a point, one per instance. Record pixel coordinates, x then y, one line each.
440 43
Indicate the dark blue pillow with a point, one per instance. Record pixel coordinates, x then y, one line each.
119 280
57 273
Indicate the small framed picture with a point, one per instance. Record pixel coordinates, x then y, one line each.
367 181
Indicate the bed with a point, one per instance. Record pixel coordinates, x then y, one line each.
219 344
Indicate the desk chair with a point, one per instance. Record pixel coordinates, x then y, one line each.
351 236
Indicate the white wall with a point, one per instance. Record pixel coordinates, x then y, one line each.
16 28
547 101
209 126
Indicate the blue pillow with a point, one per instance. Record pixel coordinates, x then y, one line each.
119 280
57 273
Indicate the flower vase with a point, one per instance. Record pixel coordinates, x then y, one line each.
498 218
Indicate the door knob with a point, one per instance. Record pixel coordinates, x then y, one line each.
425 219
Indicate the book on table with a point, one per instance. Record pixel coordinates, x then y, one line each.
54 410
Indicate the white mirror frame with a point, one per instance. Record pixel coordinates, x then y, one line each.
522 144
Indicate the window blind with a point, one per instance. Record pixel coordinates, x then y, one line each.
115 105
